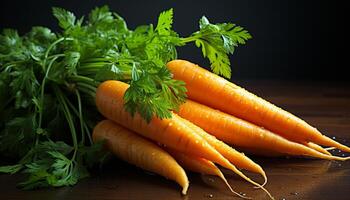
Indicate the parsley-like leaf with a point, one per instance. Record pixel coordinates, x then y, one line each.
65 18
165 20
217 41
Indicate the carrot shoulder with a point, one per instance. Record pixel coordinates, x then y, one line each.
244 134
136 150
236 101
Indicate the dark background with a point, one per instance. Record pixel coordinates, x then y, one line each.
291 39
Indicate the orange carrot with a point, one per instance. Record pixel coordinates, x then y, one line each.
317 148
200 165
269 153
244 134
136 150
236 101
171 132
235 157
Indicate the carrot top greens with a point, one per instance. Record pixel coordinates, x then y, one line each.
48 82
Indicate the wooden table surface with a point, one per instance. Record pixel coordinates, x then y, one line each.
324 105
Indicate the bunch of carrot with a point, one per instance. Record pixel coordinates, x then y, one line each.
200 132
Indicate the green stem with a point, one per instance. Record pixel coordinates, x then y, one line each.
80 117
68 115
92 65
60 55
87 91
87 86
42 92
76 112
50 48
88 133
190 39
84 79
94 60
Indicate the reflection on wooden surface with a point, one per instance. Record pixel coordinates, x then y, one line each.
326 106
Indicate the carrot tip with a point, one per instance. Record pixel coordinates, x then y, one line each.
221 175
265 180
330 142
184 189
239 173
329 148
340 158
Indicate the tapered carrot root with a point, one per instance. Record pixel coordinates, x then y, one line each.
200 165
236 101
136 150
244 134
231 154
317 148
172 132
329 148
235 157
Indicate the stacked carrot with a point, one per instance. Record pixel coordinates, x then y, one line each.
197 136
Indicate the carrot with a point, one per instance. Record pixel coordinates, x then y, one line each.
171 132
329 148
200 165
136 150
235 157
317 148
236 101
244 134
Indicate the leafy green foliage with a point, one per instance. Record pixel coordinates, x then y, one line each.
65 18
48 82
165 21
160 93
217 41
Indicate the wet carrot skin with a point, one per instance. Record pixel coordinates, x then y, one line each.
235 157
138 151
195 164
236 101
245 135
170 132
